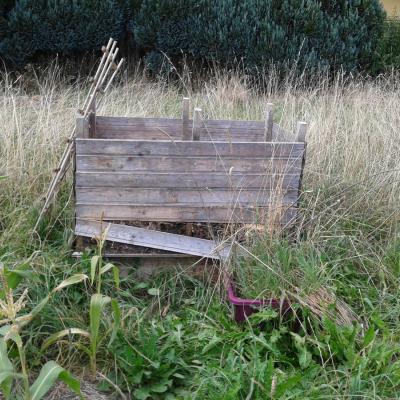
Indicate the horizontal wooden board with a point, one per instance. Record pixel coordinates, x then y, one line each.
185 180
188 164
147 122
179 213
188 148
104 195
78 254
153 239
160 128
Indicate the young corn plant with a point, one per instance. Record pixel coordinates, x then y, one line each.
12 322
98 303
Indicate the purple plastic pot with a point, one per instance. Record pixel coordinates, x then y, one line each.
243 308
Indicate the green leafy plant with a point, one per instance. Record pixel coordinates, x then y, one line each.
98 303
276 267
151 364
10 332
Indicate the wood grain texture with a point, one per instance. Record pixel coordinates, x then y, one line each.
181 213
202 181
188 164
211 197
187 181
155 129
185 148
154 239
185 119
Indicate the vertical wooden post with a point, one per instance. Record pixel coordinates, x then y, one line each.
92 118
185 119
81 131
301 131
269 122
82 127
196 130
197 124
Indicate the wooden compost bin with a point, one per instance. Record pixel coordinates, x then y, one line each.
162 170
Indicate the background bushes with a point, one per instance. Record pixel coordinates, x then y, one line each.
388 50
307 33
59 26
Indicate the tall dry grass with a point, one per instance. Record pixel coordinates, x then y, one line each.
353 162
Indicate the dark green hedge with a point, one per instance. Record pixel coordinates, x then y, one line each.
388 51
306 33
312 33
59 27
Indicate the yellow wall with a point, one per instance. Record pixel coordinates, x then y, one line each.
392 7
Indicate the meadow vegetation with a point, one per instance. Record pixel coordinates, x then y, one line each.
173 336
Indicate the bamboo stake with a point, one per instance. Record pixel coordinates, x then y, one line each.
89 99
106 62
103 59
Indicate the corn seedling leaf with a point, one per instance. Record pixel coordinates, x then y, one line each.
72 280
38 308
116 310
116 276
4 330
49 373
106 268
93 268
59 335
6 382
83 348
15 276
14 336
6 370
97 304
5 363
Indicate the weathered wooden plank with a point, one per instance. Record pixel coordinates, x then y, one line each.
154 239
301 131
104 195
78 254
176 122
82 127
185 180
173 126
197 124
185 148
179 213
269 122
173 129
185 119
188 164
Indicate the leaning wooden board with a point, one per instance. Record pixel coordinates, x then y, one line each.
154 239
241 182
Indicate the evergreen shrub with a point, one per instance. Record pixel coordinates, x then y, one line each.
66 27
307 33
